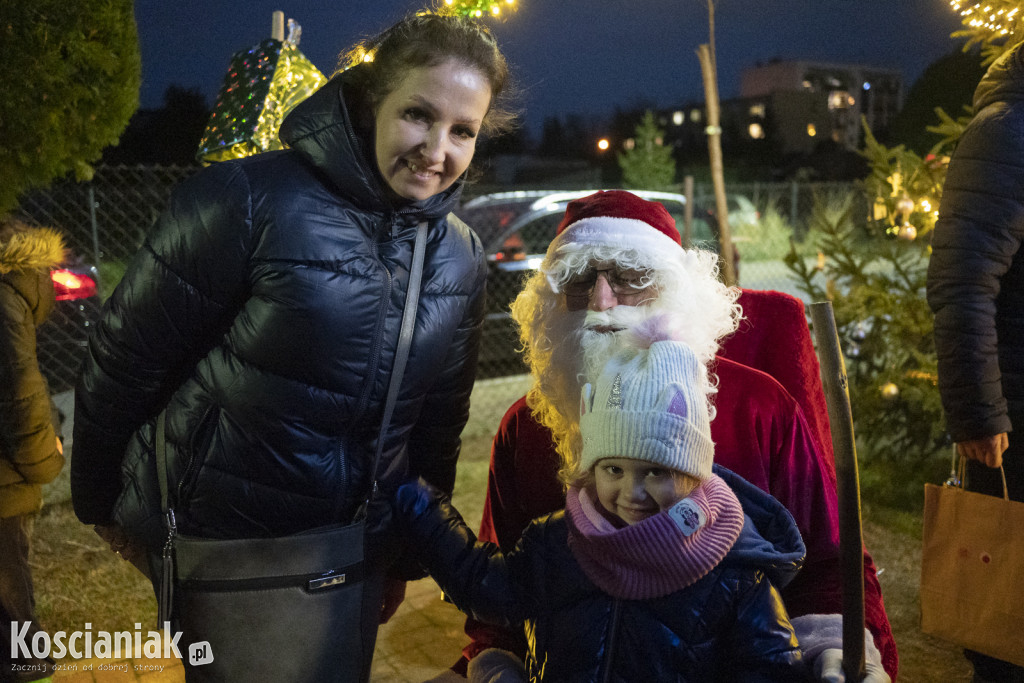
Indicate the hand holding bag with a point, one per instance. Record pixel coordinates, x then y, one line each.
278 609
972 569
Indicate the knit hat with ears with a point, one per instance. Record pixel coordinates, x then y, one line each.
620 218
649 403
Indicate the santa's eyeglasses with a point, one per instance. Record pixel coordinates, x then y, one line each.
621 281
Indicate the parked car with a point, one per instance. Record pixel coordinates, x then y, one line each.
516 229
62 339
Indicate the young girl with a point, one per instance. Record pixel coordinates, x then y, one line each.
658 569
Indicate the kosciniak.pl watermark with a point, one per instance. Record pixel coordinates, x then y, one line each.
89 644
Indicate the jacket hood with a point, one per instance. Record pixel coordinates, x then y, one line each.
31 248
1004 80
321 130
770 538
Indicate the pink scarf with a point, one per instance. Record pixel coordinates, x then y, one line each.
663 553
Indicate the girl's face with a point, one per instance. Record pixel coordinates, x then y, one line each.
426 128
634 490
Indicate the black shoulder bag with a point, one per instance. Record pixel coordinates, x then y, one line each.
277 609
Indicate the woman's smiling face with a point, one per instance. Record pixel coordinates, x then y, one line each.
426 128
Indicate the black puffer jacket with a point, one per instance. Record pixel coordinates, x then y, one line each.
29 456
263 311
976 273
729 626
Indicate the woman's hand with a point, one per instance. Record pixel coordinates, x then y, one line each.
394 594
125 547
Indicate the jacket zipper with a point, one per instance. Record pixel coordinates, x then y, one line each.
193 457
378 343
609 651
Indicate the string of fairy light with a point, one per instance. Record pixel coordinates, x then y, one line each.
994 16
479 8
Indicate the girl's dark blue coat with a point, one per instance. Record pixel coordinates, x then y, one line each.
729 626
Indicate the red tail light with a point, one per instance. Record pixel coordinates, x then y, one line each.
68 285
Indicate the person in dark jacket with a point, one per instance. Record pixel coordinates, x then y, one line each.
658 569
30 447
976 291
262 313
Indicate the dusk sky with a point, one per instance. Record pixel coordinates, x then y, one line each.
569 56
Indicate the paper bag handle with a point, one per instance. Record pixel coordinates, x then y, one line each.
958 474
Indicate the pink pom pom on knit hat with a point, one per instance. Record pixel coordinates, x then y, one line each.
617 217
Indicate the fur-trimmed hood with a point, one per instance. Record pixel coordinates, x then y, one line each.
26 256
28 248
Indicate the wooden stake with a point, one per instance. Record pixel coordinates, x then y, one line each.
714 133
277 26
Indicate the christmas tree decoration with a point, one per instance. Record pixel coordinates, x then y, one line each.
476 8
262 85
905 205
889 391
907 232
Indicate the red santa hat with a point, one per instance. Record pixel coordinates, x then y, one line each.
617 217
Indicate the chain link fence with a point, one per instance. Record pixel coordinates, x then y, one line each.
105 221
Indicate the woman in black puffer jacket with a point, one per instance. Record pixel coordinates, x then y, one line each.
263 312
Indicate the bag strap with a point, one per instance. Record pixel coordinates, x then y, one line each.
161 458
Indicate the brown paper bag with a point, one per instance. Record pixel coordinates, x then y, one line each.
972 571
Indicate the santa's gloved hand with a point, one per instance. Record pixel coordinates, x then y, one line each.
496 666
828 667
821 642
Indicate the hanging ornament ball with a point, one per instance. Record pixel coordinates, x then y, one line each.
890 392
860 332
905 205
907 232
853 350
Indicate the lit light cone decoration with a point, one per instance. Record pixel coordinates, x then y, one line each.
890 392
262 85
476 8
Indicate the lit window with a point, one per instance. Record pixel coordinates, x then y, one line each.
756 131
850 100
695 115
811 130
678 118
839 99
629 143
757 110
807 85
